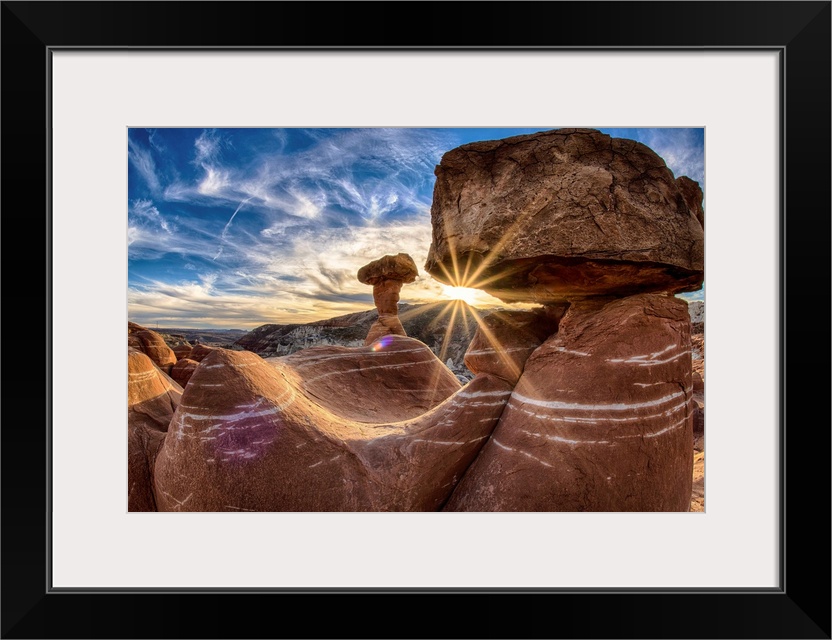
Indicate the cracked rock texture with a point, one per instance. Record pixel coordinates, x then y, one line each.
565 214
600 420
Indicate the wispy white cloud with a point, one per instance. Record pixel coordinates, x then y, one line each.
142 160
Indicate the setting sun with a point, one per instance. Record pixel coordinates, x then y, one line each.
471 296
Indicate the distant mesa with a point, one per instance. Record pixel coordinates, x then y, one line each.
563 215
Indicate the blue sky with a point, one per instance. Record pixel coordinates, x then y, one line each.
234 228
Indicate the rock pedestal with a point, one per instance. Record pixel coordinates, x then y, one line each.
387 275
600 420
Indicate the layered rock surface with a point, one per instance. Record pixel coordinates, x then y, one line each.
562 215
152 398
600 420
249 436
151 344
397 378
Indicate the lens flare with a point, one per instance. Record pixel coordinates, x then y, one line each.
381 343
471 296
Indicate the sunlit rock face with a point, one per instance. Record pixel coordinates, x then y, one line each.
151 344
396 378
601 419
563 215
387 275
251 435
505 339
152 398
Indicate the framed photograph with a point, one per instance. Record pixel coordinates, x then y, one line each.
79 77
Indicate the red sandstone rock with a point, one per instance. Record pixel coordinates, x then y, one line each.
183 370
601 419
505 340
397 378
151 344
182 351
384 326
152 398
200 351
387 274
398 267
564 214
247 437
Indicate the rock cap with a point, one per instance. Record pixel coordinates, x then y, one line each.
398 267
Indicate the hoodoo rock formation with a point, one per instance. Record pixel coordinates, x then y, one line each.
600 419
565 214
387 275
585 404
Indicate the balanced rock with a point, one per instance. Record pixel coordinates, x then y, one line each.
248 437
600 420
387 275
505 339
151 344
152 398
563 215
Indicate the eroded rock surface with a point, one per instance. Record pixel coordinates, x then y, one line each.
562 215
151 344
152 398
183 370
506 339
247 437
396 378
601 419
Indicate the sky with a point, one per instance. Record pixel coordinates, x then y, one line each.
235 228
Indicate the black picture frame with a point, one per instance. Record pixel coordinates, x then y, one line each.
799 608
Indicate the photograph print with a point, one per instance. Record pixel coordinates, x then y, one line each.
413 319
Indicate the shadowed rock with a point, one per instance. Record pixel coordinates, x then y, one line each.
200 351
506 339
183 370
152 398
249 435
182 351
562 215
601 419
